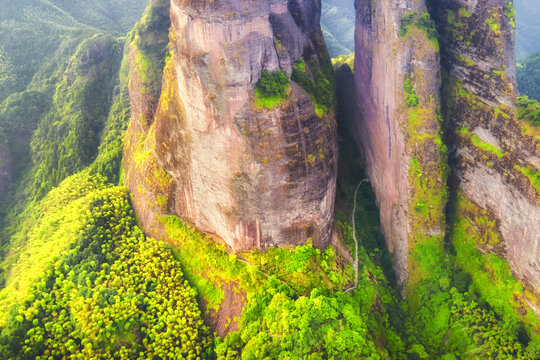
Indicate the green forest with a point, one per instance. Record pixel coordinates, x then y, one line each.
79 279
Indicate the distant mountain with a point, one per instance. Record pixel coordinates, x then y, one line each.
338 19
31 31
337 22
528 27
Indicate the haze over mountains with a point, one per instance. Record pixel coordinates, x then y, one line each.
338 18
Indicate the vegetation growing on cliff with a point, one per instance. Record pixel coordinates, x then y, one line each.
316 78
271 89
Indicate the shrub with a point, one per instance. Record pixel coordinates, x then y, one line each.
273 85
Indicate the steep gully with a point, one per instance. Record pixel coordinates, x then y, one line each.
353 222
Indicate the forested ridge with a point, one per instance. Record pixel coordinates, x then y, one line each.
79 279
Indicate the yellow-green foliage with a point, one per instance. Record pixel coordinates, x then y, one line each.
411 99
114 293
479 143
344 59
532 174
267 102
318 82
491 276
47 230
422 23
303 267
273 324
494 23
67 138
149 46
208 265
464 12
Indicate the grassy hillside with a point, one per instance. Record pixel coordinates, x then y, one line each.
32 31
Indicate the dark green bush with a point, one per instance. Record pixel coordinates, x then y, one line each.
273 85
529 110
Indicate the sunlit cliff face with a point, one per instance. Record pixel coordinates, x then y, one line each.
400 137
255 176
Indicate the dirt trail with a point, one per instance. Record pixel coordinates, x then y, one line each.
353 221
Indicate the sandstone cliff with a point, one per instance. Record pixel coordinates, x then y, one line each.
492 151
397 86
206 146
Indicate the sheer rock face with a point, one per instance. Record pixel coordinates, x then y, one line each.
6 169
401 142
252 176
490 146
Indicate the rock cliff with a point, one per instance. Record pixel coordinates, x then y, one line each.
494 154
207 145
397 93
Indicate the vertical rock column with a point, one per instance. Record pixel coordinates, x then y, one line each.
495 154
253 171
397 94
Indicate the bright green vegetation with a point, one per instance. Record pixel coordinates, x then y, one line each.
412 99
34 32
278 323
406 21
529 110
423 22
67 138
428 25
510 13
315 76
494 24
79 279
467 61
314 327
344 59
463 12
528 76
302 268
45 231
111 292
492 278
285 291
271 89
479 143
148 42
532 174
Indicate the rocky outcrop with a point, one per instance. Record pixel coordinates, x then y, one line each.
397 86
212 150
6 169
492 151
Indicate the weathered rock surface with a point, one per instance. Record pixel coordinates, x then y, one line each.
490 146
397 60
253 176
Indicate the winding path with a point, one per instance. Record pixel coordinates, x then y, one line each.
353 220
